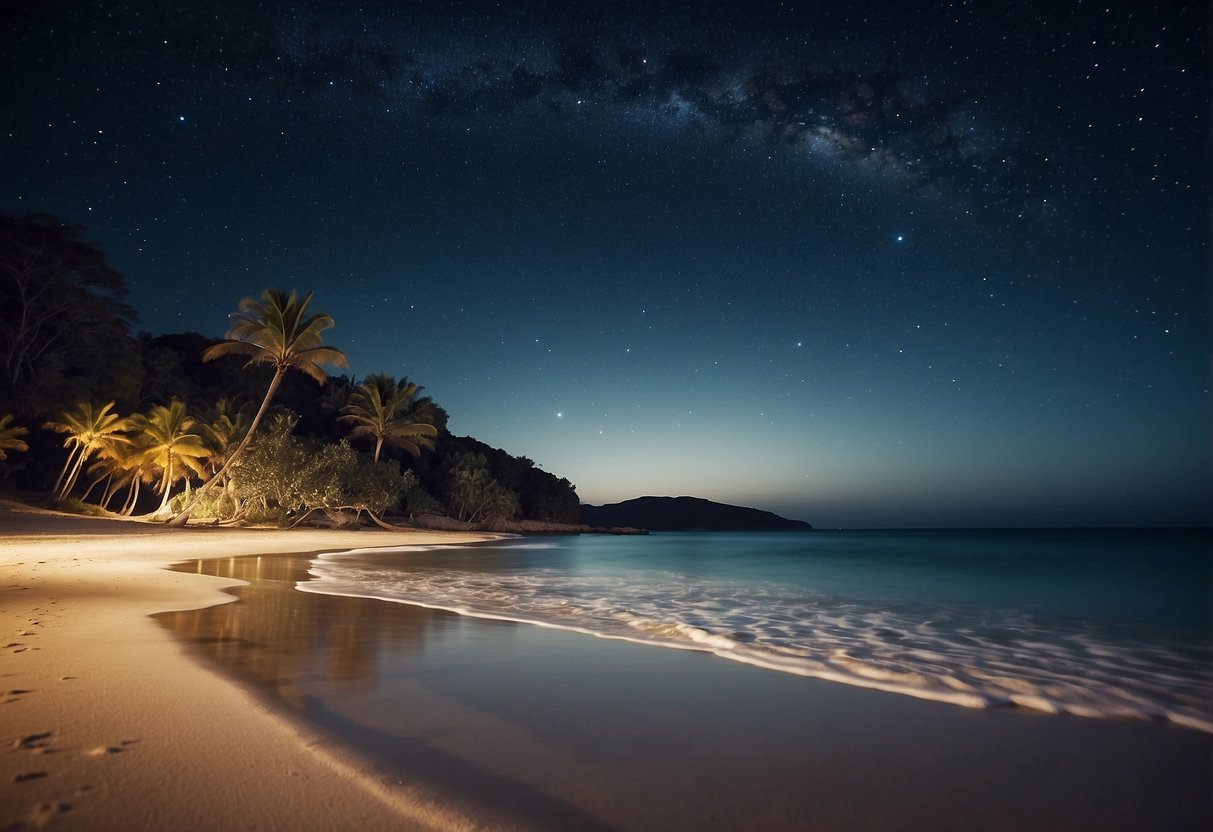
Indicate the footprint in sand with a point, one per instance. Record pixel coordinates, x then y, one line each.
44 813
30 775
35 742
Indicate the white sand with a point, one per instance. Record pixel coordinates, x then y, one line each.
106 724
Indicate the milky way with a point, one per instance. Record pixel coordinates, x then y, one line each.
933 264
923 132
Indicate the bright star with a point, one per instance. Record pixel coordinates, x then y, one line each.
559 415
900 238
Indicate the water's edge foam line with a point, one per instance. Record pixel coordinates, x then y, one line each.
732 651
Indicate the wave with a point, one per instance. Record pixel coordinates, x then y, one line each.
945 654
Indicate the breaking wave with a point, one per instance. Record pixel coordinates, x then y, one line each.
976 659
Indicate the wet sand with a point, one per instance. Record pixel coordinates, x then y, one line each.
107 724
526 727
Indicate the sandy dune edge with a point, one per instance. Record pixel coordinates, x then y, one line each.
106 724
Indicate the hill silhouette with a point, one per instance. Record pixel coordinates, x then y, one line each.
684 514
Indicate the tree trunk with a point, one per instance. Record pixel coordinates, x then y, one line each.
92 485
166 485
184 515
111 489
71 478
71 453
129 507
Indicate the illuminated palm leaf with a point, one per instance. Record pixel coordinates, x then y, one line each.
10 436
275 330
385 409
170 444
87 428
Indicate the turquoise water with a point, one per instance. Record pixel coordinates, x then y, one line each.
1102 623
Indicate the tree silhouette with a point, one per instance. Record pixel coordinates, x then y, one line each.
64 329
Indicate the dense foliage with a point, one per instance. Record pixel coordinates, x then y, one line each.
61 317
249 427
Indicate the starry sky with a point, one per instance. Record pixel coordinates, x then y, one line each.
931 264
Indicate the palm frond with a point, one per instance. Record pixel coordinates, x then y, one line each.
226 348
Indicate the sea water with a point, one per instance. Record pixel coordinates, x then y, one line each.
1097 623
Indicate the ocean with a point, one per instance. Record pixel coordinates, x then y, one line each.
1094 623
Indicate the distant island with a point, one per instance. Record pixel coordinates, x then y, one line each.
687 514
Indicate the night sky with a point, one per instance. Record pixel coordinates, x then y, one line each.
863 264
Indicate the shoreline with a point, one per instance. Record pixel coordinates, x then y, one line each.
109 724
542 728
112 722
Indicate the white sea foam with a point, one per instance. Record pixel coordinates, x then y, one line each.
929 652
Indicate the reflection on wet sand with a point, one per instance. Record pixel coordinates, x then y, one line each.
280 637
348 666
531 728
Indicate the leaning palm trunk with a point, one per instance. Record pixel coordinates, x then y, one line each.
73 476
167 486
183 516
63 473
92 486
275 330
111 491
129 507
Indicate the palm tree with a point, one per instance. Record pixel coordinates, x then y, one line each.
110 468
109 463
87 429
276 330
170 446
137 470
385 409
10 436
336 394
224 426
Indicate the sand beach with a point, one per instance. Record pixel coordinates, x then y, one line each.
137 697
106 724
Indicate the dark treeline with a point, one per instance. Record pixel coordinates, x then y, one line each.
92 414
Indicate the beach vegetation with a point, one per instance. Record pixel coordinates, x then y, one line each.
75 505
64 326
288 478
88 429
542 495
223 429
170 443
473 493
10 436
111 469
11 441
276 330
387 410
